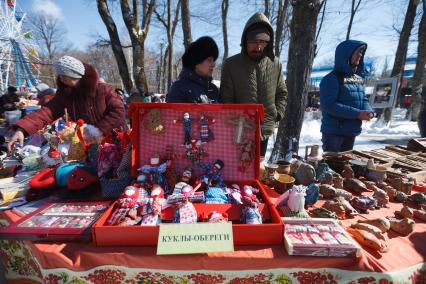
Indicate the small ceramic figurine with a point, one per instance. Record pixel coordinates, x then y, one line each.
312 194
294 198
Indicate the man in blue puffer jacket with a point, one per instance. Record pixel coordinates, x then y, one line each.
343 102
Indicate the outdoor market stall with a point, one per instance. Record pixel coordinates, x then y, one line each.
122 250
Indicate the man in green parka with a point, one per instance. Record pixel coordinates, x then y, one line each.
254 76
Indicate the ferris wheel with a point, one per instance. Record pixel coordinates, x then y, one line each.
16 51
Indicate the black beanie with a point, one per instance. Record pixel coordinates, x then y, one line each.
199 50
12 89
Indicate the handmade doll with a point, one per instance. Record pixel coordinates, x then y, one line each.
194 152
216 217
187 125
247 153
206 134
155 172
212 173
185 212
170 175
152 214
178 195
241 123
187 175
216 195
250 213
128 206
234 193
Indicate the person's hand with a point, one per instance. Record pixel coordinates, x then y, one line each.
365 115
18 136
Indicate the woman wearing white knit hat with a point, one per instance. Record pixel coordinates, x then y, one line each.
83 95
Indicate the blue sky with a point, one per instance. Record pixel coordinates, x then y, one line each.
372 24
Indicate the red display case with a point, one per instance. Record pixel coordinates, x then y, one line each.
223 125
57 221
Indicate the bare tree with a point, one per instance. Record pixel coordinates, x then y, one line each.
420 67
401 51
320 27
138 34
103 59
115 45
354 9
186 23
171 28
224 8
282 17
49 33
267 9
303 29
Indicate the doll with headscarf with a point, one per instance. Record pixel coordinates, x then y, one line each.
250 213
151 214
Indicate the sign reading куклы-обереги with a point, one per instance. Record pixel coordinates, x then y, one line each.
195 238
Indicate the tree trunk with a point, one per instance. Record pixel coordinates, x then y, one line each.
401 51
420 67
160 72
354 9
281 21
267 9
170 42
225 7
115 45
137 37
186 23
303 30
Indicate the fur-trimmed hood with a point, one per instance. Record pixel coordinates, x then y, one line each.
87 84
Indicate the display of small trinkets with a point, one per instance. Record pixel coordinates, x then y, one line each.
65 215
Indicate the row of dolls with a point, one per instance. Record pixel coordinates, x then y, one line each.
142 204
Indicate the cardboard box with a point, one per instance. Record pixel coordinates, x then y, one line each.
318 237
222 122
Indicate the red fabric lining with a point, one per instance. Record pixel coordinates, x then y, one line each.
222 147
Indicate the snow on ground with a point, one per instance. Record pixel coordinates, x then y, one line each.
375 134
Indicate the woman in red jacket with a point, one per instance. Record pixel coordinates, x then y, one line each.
83 95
